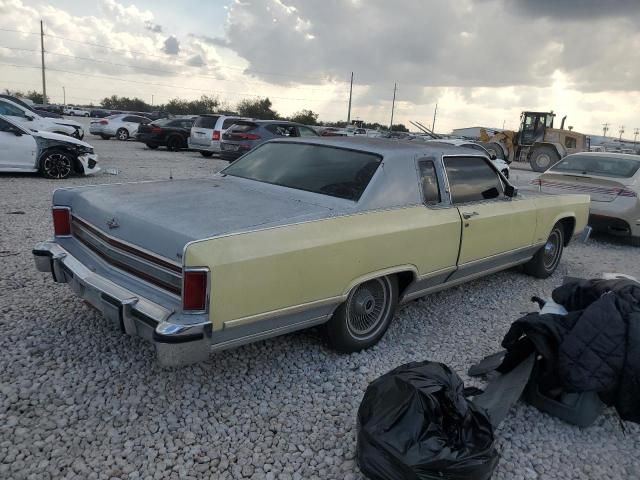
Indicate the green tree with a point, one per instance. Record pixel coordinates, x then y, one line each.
114 102
205 104
306 117
399 127
32 95
259 108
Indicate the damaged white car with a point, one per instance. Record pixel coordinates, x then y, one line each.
52 155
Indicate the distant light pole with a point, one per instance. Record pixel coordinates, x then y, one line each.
621 130
635 134
605 129
350 95
152 99
393 105
64 96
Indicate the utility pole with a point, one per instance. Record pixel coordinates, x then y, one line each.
433 124
636 131
503 122
393 105
621 130
350 95
605 129
152 99
44 82
64 96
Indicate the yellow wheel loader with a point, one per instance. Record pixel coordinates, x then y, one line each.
537 142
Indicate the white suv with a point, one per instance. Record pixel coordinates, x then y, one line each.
31 120
73 111
122 126
207 131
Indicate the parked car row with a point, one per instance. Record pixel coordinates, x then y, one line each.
22 113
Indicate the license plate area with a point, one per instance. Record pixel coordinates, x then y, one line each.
229 147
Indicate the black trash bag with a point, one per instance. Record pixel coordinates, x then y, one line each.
415 423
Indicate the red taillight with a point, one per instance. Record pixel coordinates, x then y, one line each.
627 193
246 136
156 129
194 290
536 181
61 221
216 135
104 122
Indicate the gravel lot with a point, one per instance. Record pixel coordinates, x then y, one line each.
80 400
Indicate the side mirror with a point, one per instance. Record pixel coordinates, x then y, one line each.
29 118
493 156
510 191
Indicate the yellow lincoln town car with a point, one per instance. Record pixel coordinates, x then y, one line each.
296 233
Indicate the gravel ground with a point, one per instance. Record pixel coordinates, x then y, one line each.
80 400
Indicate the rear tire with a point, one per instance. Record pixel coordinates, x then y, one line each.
206 154
542 158
364 317
152 147
56 164
105 137
495 148
546 260
122 134
174 143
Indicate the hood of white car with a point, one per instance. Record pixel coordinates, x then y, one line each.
62 138
64 121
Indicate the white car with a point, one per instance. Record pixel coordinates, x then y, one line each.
122 126
498 162
207 131
75 111
31 120
51 154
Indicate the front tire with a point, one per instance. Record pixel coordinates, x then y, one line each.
56 165
364 317
495 148
543 158
546 260
122 134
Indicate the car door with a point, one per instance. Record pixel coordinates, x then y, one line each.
496 230
131 124
18 149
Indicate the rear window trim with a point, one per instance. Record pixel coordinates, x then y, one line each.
378 155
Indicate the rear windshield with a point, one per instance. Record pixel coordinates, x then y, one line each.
162 122
314 168
208 121
596 165
241 126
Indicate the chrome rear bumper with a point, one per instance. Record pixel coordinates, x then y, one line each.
176 343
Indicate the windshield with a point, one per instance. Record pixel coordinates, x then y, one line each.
597 165
314 168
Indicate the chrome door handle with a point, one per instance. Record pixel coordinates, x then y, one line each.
468 215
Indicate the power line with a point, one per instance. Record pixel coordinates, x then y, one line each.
151 69
242 94
164 57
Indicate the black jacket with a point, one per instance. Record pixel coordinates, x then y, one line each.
596 347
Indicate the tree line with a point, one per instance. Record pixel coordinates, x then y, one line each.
260 108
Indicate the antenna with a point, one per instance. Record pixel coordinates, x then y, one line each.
170 174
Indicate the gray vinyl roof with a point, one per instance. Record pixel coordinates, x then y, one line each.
619 156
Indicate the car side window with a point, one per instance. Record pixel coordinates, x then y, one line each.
6 126
306 132
471 179
130 119
282 130
6 109
429 182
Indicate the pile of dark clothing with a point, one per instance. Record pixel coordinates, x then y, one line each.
594 348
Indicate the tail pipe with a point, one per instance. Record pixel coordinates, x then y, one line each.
562 124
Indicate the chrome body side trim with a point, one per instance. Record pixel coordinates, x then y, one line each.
470 271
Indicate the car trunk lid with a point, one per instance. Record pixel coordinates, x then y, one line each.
600 189
162 217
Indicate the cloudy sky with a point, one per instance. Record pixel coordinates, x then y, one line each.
481 61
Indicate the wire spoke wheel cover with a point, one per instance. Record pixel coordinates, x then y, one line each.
367 307
552 250
57 165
